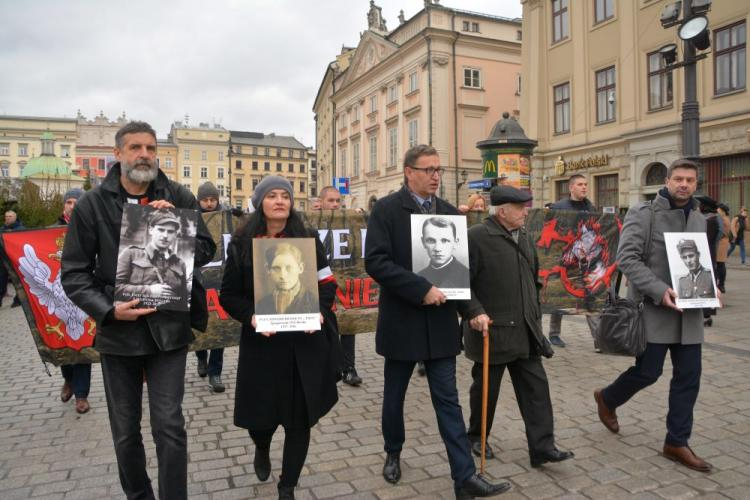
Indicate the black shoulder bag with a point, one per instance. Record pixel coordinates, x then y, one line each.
620 329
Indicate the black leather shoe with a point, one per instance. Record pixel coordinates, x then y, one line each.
262 463
392 467
476 448
478 487
286 492
553 455
202 368
352 378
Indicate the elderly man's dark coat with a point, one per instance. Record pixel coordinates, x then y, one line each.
265 370
504 285
406 330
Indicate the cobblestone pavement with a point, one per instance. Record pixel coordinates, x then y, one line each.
49 451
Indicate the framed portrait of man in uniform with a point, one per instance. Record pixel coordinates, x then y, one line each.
285 284
440 253
691 270
155 258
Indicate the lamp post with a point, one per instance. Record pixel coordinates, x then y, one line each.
229 174
464 175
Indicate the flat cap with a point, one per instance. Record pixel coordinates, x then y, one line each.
500 195
683 245
161 217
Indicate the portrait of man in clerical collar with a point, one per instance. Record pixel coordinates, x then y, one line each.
440 252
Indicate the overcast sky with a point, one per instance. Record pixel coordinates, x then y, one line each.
247 64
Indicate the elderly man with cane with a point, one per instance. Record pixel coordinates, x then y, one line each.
504 327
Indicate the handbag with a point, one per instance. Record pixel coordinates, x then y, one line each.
620 329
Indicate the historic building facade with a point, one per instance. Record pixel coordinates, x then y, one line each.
202 156
95 144
21 140
600 102
442 77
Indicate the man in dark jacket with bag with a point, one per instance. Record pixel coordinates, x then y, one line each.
416 323
135 342
642 258
505 305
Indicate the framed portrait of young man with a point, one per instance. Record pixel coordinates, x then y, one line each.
440 253
691 270
285 285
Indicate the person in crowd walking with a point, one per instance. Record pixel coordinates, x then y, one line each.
505 306
285 378
739 226
12 223
417 323
723 247
135 343
668 328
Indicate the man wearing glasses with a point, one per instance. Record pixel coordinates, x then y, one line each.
416 322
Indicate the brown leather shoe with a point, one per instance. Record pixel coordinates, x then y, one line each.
607 416
685 456
66 392
82 405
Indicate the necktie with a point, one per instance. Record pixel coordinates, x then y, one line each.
427 204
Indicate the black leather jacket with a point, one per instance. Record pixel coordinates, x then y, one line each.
89 265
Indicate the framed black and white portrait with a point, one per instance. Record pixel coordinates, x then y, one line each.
691 270
440 253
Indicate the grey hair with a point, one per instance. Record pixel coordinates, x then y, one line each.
132 128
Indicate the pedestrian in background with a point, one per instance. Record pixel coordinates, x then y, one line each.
723 247
739 226
12 223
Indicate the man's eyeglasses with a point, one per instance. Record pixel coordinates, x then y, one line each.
430 171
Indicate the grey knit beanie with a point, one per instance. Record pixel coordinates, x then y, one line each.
266 185
207 190
74 193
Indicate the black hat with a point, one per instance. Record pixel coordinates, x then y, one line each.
500 195
707 201
207 190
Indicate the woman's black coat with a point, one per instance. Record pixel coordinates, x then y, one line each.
265 370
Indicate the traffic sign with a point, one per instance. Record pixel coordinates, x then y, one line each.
342 184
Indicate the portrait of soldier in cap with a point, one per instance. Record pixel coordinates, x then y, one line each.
699 282
154 272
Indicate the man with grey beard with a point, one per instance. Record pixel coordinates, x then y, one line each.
136 342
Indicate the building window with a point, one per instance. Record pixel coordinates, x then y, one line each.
204 156
255 183
291 167
188 186
4 148
561 190
413 83
373 140
355 117
605 95
186 171
65 151
343 161
86 163
238 203
23 150
255 150
519 35
355 159
291 183
730 71
101 162
238 164
603 10
392 93
659 83
5 169
220 172
373 103
255 165
167 162
518 83
470 26
290 153
278 166
278 152
204 172
301 168
471 78
413 132
302 205
562 108
267 151
606 191
186 154
238 183
267 166
21 167
559 20
238 149
302 155
656 174
220 189
301 186
221 155
392 146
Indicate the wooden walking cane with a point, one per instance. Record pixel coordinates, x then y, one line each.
485 383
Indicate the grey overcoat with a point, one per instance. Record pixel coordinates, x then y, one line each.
649 275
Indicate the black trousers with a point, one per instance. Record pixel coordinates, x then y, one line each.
347 346
532 393
123 386
721 273
296 443
683 388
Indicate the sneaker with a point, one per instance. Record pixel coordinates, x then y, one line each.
202 368
351 378
214 383
556 340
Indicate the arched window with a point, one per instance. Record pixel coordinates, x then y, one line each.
656 174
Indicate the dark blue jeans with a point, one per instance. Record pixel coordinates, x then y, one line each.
683 388
441 377
123 385
215 361
736 244
79 378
